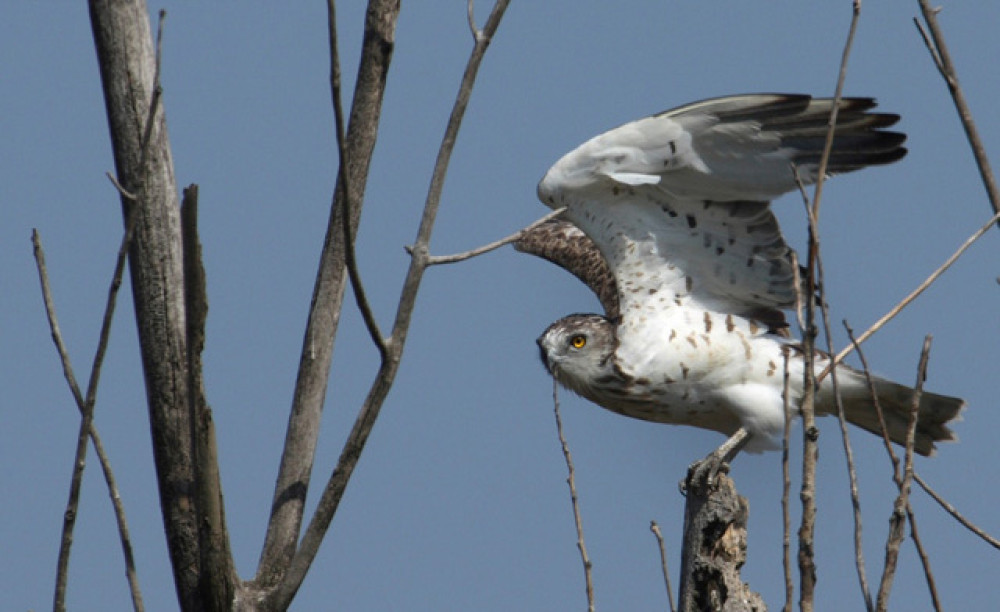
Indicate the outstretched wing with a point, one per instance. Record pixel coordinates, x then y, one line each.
678 203
565 245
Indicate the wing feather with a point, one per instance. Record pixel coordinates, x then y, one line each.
678 203
565 245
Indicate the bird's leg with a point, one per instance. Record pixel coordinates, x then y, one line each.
702 473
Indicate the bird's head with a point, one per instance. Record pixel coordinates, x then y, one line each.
577 351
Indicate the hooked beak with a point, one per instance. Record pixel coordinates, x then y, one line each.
543 355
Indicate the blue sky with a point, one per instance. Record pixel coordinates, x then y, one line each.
459 502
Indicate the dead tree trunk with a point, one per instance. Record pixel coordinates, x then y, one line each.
151 210
714 549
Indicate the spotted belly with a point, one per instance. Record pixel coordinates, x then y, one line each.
677 369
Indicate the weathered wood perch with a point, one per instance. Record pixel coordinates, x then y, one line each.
715 547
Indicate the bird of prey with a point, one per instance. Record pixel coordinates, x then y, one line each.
668 220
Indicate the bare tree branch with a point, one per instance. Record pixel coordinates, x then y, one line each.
87 429
218 576
145 168
859 560
810 433
334 490
838 94
486 248
912 296
942 59
786 480
807 566
958 516
301 436
924 559
715 548
898 520
581 544
350 255
663 563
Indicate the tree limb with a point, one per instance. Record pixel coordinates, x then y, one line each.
942 59
351 452
87 429
663 563
806 556
958 516
144 167
217 577
350 255
715 548
294 472
581 545
895 310
433 260
897 521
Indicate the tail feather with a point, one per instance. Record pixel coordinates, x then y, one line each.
896 401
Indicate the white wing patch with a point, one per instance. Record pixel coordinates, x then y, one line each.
678 202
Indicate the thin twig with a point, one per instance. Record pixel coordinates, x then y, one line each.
925 561
87 428
50 311
350 254
121 190
69 516
154 101
913 295
486 248
838 94
859 559
471 13
807 567
958 516
942 59
574 500
663 563
896 476
87 404
898 519
786 487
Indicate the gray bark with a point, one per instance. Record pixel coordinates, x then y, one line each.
144 168
714 550
292 484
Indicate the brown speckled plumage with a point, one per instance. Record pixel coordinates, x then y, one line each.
565 245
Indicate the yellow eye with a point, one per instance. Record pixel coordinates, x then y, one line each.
578 341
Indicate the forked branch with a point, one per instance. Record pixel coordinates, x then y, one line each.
333 492
295 470
897 521
87 428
